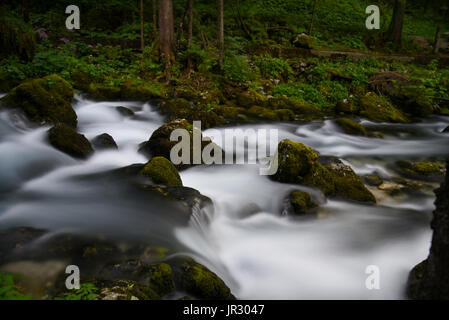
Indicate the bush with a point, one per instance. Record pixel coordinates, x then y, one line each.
274 67
237 68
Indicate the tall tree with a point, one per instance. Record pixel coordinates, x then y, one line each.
394 33
313 17
189 34
220 33
166 35
142 40
154 20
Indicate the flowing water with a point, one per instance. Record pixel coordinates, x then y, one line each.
259 253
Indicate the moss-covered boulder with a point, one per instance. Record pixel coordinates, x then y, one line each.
346 106
67 140
250 98
422 170
348 185
298 203
162 171
45 100
373 180
351 127
303 41
299 164
200 282
103 142
160 145
302 110
16 38
378 109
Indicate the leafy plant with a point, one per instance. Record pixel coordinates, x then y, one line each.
9 290
87 291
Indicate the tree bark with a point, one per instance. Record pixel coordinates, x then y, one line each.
313 17
436 44
142 40
154 20
220 33
190 35
166 35
394 33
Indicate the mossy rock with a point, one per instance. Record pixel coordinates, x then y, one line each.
125 290
139 92
412 100
67 140
261 113
302 110
378 109
160 145
103 142
45 100
162 171
250 98
415 282
422 170
373 180
126 112
199 282
351 127
303 41
158 277
102 92
348 185
16 38
298 203
231 113
346 106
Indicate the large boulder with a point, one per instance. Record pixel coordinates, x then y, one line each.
351 127
46 100
299 164
378 109
430 279
162 171
160 144
428 171
67 140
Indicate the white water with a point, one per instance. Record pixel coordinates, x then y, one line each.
260 254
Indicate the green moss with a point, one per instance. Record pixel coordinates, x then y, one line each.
162 171
378 109
300 202
412 100
348 184
101 92
301 109
161 279
202 283
141 92
250 98
67 140
351 127
421 168
16 38
373 180
346 106
261 113
45 100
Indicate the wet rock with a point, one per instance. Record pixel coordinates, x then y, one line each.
377 109
430 279
160 144
446 130
373 180
103 142
44 101
303 41
67 140
162 171
351 127
298 203
299 164
429 171
198 281
302 110
126 112
125 290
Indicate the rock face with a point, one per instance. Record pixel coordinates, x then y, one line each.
46 100
162 171
67 140
299 164
103 142
430 278
298 203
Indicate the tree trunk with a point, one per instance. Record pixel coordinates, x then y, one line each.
436 44
154 20
313 17
166 35
189 35
142 40
220 33
394 33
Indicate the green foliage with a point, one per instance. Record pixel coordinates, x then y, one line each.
301 91
274 68
87 291
9 290
237 68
